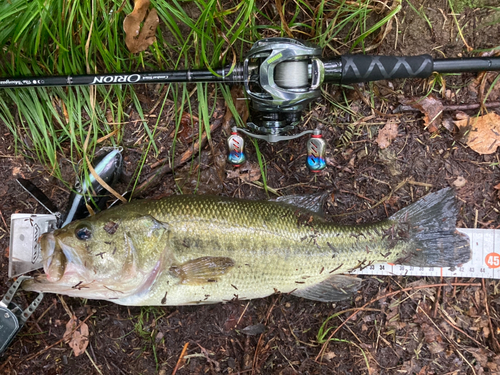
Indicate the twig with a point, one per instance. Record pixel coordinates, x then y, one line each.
59 341
3 219
65 306
461 331
358 195
116 367
161 171
243 313
177 365
41 316
92 361
254 362
436 302
423 184
453 343
5 363
400 185
494 341
449 108
323 348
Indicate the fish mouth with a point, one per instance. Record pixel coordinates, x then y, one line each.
55 261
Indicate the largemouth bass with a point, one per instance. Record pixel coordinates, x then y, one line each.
185 250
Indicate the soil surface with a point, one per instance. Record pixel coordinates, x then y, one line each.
400 324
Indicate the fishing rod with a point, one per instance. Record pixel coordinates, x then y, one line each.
281 77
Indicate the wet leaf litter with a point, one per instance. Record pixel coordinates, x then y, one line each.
391 335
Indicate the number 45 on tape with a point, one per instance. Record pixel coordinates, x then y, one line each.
492 260
484 263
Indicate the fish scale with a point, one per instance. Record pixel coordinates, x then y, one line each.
202 249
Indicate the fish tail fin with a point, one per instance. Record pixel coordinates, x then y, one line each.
433 238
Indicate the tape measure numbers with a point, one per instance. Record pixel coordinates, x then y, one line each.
484 263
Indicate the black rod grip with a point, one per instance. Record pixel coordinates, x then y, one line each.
365 68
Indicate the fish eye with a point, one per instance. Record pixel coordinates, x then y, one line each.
83 233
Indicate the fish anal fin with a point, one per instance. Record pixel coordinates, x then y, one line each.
202 270
335 288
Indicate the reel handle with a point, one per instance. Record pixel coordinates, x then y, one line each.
236 146
316 150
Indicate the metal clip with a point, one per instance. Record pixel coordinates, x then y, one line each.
236 146
316 149
12 317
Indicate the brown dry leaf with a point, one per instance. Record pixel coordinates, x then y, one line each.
248 173
78 339
432 108
480 354
387 134
187 128
497 187
139 39
16 171
484 132
329 356
459 182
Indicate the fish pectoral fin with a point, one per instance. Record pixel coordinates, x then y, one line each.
202 270
335 288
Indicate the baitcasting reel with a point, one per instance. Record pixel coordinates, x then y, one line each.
281 77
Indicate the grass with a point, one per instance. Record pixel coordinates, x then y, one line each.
144 327
58 37
322 337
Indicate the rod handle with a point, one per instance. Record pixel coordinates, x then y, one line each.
365 68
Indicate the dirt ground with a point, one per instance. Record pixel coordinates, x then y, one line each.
392 325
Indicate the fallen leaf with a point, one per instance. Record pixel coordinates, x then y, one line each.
16 171
139 39
248 173
329 356
253 330
459 182
387 134
480 355
431 107
389 158
448 124
78 339
461 115
188 126
484 132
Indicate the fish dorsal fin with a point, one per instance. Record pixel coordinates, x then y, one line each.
335 288
311 202
202 270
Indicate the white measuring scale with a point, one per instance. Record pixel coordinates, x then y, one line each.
484 263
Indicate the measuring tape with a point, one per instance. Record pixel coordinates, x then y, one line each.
484 263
